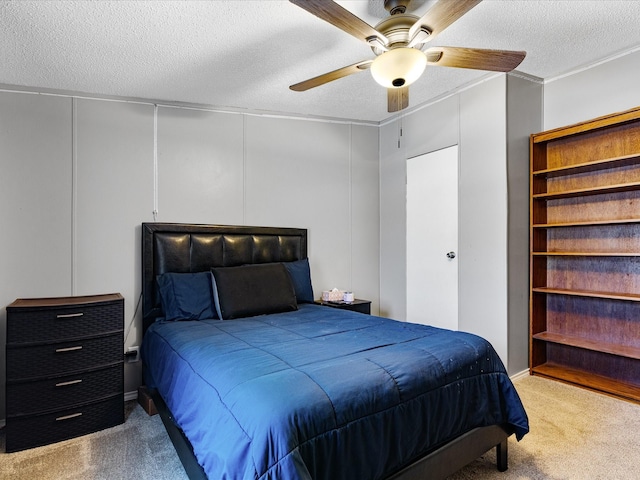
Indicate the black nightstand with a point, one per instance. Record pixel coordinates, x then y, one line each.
362 306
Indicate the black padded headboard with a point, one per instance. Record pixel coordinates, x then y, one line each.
184 248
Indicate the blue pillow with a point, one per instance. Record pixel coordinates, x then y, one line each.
301 277
186 296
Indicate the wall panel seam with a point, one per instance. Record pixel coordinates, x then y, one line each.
244 169
350 207
155 163
74 193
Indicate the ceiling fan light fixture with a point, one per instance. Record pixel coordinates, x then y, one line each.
398 67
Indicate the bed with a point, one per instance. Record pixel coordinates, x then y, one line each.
282 388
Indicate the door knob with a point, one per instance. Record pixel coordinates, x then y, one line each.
451 255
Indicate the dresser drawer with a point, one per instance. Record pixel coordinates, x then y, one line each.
60 322
62 358
64 392
36 430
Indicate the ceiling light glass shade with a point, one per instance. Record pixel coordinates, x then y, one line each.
398 67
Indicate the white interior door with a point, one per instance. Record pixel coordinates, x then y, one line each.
432 238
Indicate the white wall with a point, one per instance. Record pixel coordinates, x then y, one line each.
78 177
35 253
393 248
309 170
113 193
475 119
35 202
483 213
200 166
610 87
524 114
365 214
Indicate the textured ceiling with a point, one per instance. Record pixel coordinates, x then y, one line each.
243 55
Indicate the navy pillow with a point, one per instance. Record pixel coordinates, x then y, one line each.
301 278
252 290
186 296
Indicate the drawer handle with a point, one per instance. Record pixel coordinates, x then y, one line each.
68 417
71 382
70 315
68 349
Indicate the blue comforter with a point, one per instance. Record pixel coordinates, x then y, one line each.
324 393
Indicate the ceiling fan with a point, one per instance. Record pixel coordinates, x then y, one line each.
400 42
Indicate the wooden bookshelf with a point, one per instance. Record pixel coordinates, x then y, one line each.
586 379
585 254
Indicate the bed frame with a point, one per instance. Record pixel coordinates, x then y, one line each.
177 247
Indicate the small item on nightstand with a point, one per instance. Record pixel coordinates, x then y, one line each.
333 295
348 297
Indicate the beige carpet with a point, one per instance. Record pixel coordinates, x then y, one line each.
139 449
575 434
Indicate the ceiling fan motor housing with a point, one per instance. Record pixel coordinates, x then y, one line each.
396 29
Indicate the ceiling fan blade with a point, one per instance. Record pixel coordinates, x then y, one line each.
437 18
397 99
475 58
331 76
336 15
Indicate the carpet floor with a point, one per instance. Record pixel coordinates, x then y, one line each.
575 434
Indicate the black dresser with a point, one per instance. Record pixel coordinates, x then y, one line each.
65 375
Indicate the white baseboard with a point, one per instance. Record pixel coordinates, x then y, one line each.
131 395
519 375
